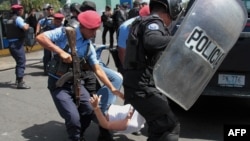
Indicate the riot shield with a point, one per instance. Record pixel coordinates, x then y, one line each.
204 38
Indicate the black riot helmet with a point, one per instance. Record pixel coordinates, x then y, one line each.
66 8
75 7
173 7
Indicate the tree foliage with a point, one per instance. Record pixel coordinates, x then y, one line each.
38 4
5 5
29 4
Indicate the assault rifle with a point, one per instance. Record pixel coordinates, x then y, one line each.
76 72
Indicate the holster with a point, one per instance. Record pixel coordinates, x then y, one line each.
57 67
84 65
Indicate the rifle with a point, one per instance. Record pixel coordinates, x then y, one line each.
71 35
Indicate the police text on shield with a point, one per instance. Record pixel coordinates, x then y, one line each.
200 43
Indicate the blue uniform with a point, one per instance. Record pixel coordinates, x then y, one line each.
76 119
122 38
123 33
46 24
17 51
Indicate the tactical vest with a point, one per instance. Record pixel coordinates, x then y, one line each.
135 57
12 31
45 26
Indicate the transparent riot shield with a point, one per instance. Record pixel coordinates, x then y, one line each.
204 38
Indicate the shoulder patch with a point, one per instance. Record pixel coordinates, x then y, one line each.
153 26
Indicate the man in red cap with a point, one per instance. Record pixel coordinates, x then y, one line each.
58 19
77 119
16 34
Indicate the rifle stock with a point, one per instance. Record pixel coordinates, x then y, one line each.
71 35
64 78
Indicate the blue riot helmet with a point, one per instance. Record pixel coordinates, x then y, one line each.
173 7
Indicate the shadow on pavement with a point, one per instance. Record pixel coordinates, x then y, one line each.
50 131
8 84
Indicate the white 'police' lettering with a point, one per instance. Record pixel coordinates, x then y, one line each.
200 43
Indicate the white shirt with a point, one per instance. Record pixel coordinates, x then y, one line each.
120 112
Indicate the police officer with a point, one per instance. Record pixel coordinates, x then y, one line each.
123 36
77 119
88 5
46 24
17 45
139 86
75 9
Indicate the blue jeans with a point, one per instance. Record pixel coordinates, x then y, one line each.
108 97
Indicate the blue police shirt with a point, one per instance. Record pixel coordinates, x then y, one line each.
47 22
59 37
123 33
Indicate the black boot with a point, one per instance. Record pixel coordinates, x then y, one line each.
171 136
104 135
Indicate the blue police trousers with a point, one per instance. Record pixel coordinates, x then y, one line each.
18 53
77 119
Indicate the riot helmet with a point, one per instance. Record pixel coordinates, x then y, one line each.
66 8
75 7
88 5
173 7
47 6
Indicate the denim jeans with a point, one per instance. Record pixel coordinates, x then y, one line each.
108 97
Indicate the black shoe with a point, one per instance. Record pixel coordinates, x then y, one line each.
82 139
45 73
138 133
22 85
104 135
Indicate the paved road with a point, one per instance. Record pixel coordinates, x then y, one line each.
30 115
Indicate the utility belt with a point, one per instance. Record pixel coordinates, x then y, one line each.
56 67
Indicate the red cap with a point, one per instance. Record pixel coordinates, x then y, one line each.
90 19
58 16
16 7
144 11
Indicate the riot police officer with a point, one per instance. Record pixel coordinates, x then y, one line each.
75 10
16 44
139 85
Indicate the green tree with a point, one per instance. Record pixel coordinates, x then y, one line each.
5 5
38 4
29 4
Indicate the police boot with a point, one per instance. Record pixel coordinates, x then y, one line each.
171 136
21 84
104 135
